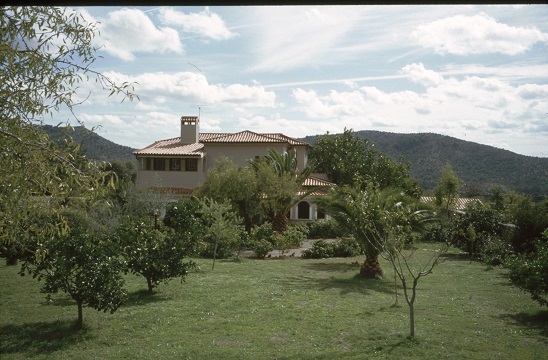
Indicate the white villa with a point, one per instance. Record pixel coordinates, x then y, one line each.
179 165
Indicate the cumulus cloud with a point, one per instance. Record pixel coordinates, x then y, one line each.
194 88
127 31
417 73
447 105
478 34
204 23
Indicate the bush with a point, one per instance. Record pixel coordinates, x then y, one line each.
320 250
262 248
530 272
325 229
347 247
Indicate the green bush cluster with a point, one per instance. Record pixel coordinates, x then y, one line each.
264 239
321 249
325 229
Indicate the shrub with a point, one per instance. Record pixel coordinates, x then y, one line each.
321 249
347 247
530 272
262 248
325 229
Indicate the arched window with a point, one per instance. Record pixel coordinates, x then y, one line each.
303 210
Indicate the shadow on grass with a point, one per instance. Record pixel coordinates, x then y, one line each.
457 257
537 321
332 267
143 297
33 339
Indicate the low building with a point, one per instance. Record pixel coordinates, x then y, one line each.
179 165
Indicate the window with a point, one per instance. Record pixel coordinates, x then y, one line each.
303 210
175 164
159 164
191 164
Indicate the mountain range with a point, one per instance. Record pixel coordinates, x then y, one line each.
478 167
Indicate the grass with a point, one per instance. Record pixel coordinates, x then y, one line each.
283 309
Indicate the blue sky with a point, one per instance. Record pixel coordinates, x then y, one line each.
477 73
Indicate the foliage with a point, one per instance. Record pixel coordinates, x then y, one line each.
157 255
280 185
185 218
530 271
262 238
447 191
473 229
349 160
46 53
321 249
325 229
290 238
80 263
222 235
531 220
238 185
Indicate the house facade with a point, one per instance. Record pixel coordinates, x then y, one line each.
179 165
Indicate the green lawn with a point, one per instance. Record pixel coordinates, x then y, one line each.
283 309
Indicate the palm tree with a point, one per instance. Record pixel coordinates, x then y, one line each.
281 184
372 216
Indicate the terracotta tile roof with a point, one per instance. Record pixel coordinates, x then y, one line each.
461 203
313 181
175 147
248 137
171 147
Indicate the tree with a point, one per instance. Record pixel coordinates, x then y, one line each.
155 254
348 160
45 53
362 213
185 219
447 191
280 185
223 231
81 263
238 185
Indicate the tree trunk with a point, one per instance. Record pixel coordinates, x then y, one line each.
411 320
371 268
150 285
80 322
11 261
280 223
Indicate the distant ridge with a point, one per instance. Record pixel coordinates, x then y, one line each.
479 167
95 146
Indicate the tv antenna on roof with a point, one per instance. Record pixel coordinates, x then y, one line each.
199 106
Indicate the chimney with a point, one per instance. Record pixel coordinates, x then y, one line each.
190 129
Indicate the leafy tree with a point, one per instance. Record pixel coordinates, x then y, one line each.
497 198
81 263
447 191
223 229
45 54
348 160
185 218
531 220
157 255
238 185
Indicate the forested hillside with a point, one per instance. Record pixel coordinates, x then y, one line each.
95 146
479 167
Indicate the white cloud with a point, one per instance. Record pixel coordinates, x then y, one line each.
127 31
194 88
205 23
478 34
472 105
420 75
